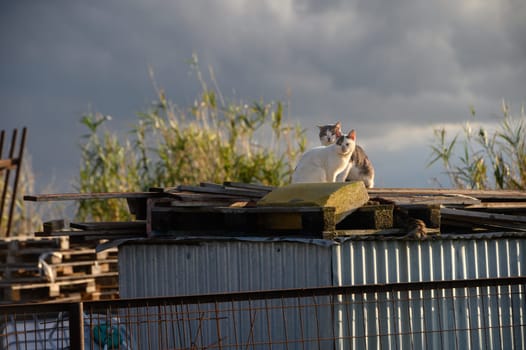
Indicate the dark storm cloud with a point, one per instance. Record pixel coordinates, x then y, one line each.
379 65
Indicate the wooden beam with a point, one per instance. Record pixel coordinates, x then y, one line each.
218 189
345 197
479 219
109 226
480 194
249 186
87 196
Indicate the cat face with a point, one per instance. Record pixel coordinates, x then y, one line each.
330 133
347 143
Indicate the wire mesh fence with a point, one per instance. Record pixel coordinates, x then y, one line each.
466 314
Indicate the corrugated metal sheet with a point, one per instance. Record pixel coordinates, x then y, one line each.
198 267
187 268
392 261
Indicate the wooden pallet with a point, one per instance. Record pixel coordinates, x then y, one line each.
73 271
76 284
27 249
314 222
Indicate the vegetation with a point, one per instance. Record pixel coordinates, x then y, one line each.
27 217
487 159
212 141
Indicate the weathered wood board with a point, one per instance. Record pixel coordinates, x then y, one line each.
344 197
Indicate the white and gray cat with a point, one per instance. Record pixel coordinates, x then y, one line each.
360 167
324 163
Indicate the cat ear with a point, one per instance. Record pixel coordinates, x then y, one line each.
338 129
352 135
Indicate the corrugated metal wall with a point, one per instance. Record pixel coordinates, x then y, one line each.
179 268
184 268
391 261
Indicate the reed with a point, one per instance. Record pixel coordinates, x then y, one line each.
480 158
214 140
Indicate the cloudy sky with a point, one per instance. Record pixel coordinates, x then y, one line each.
392 70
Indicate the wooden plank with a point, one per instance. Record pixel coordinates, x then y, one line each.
220 191
81 236
449 200
479 194
242 191
479 219
369 232
20 286
383 232
490 217
110 226
21 281
82 276
249 186
85 263
206 197
233 202
498 206
226 184
345 197
86 196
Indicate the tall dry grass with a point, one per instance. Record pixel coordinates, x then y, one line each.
484 159
214 140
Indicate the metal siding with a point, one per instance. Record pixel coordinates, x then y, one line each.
467 310
148 270
481 318
226 266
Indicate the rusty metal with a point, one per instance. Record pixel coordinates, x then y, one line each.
16 163
7 173
461 314
17 178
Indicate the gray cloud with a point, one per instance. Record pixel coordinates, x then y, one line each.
379 65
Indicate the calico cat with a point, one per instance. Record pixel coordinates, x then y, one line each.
360 167
329 133
324 163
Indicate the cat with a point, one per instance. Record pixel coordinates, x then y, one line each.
324 163
329 133
360 167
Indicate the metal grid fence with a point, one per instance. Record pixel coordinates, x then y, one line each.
460 314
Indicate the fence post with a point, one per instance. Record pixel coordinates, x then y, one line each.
76 326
